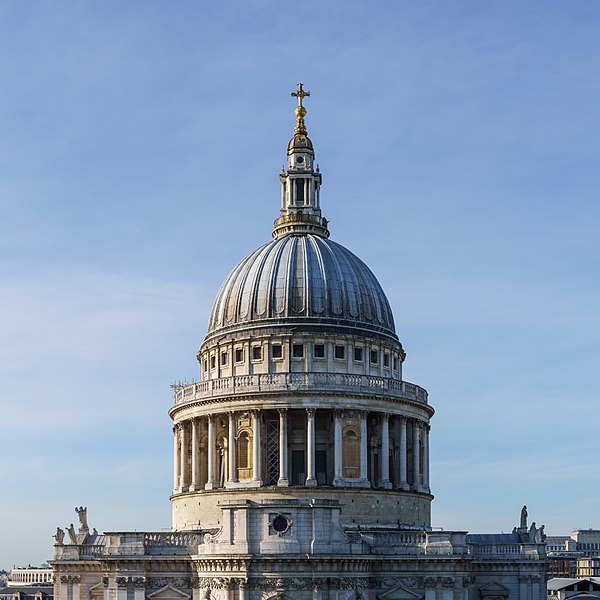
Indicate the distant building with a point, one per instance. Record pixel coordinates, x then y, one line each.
567 588
565 554
21 576
27 592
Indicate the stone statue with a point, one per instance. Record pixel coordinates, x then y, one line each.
95 531
59 536
540 536
72 534
82 515
524 517
532 532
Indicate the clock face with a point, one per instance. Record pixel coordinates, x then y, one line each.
300 160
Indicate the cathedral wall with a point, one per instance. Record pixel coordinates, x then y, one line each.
360 506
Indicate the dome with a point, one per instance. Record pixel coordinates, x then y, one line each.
302 279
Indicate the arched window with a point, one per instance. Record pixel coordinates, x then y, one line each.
351 454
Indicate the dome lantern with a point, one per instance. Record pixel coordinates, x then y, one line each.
300 183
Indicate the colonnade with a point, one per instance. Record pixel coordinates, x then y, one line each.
363 456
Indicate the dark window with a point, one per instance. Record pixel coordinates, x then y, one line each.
224 358
213 362
276 351
298 350
319 350
339 352
205 365
386 360
256 352
239 355
395 362
374 355
358 354
299 191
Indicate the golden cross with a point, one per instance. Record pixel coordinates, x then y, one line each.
300 94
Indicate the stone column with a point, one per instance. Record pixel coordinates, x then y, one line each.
139 588
337 448
231 450
363 448
210 467
256 447
121 588
75 589
385 451
310 447
175 459
194 484
106 590
402 475
183 466
426 457
416 463
64 587
283 450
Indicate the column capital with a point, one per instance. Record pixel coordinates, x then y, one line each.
210 417
255 412
311 410
338 412
282 411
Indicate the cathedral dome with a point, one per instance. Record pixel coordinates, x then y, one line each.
302 280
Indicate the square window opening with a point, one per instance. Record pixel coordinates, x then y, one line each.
277 351
386 360
298 350
374 356
213 361
319 350
358 356
256 353
339 352
224 358
239 355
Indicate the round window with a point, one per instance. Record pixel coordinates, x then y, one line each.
300 160
280 524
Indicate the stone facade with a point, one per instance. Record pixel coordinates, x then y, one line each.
301 455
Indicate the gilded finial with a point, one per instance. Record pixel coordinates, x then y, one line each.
300 111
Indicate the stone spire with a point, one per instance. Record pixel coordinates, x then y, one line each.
300 183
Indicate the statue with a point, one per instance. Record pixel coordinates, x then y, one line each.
72 534
95 531
532 532
524 518
82 516
59 536
540 536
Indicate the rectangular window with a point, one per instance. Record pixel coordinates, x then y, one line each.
386 360
358 354
213 361
239 355
374 356
256 353
205 365
298 350
319 350
395 363
224 358
276 351
339 352
299 191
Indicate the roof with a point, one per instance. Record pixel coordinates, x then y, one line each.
492 538
302 280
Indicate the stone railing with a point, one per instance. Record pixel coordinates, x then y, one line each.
134 544
280 382
521 551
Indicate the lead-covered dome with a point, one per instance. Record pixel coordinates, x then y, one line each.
302 279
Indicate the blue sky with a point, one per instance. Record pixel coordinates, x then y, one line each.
140 145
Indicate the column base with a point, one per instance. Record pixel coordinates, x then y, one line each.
210 485
194 488
387 485
282 482
338 482
311 482
404 487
